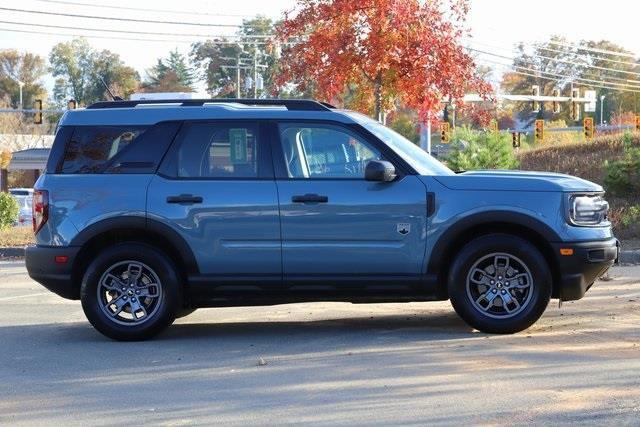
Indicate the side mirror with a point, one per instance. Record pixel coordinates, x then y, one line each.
379 170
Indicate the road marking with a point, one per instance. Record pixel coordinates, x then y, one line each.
25 296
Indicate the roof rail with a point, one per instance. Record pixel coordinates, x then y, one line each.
290 104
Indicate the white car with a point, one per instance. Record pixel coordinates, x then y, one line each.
24 196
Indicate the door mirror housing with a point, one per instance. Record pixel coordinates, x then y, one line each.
379 170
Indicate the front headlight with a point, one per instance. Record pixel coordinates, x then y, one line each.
587 209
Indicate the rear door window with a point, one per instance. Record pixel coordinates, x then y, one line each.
90 148
217 150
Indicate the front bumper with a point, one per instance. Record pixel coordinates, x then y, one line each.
45 267
579 270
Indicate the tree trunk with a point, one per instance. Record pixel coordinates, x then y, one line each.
377 91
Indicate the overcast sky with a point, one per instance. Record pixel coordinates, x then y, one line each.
496 25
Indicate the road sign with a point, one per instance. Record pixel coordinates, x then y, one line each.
538 134
238 145
587 126
444 132
590 107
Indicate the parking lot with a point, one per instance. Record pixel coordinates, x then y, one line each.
324 363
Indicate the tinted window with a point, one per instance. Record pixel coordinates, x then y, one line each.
19 192
90 148
324 151
217 150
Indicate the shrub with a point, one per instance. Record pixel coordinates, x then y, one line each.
631 216
484 150
406 127
622 177
8 210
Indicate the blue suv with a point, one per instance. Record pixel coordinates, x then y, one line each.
151 209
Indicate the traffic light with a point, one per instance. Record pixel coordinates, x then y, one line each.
37 117
444 132
587 125
575 106
72 104
638 123
535 91
538 134
556 104
516 139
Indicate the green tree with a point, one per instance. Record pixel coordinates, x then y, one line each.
208 57
77 68
171 74
121 79
25 67
71 64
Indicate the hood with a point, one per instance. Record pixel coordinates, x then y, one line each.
517 181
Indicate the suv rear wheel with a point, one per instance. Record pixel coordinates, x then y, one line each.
500 283
130 292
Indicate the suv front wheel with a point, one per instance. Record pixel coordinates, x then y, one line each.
500 283
130 292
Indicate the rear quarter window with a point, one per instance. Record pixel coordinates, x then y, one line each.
90 148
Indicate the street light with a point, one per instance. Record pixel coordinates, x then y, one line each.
21 85
601 107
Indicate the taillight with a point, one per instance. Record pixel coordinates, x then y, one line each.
40 209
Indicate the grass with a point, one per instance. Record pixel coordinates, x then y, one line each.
586 160
15 237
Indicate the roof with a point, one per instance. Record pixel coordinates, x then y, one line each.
151 112
32 158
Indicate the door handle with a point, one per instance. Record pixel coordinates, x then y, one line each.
310 198
184 199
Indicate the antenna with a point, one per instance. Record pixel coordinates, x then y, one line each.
113 97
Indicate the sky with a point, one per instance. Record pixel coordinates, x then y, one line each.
495 25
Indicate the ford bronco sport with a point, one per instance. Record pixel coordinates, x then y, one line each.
151 209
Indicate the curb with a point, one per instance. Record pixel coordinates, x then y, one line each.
630 257
12 252
626 257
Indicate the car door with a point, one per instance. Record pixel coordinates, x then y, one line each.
335 224
216 188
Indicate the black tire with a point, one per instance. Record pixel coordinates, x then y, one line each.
495 318
165 304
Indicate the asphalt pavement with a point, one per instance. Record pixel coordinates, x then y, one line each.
322 363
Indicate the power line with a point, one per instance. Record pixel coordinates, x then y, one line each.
577 80
90 36
540 46
557 60
593 49
63 27
111 18
578 46
139 9
598 58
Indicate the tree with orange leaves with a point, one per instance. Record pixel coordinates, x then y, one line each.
388 50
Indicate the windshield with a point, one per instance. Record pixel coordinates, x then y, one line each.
419 159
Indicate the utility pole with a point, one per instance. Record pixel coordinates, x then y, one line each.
238 75
21 84
238 66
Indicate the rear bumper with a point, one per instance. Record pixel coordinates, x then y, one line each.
577 272
54 275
